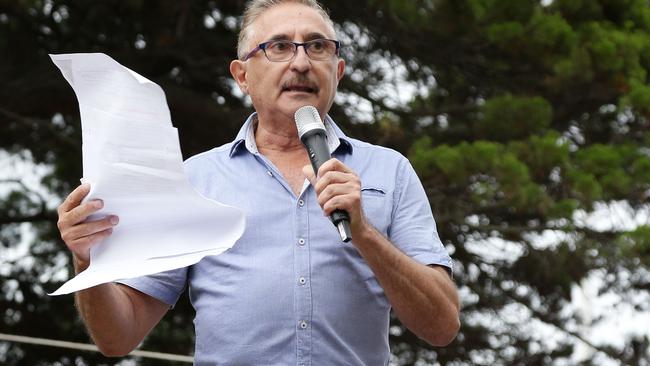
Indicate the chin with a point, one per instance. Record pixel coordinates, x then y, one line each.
301 101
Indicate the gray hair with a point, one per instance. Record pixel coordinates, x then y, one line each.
255 8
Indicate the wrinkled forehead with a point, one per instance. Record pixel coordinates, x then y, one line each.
291 21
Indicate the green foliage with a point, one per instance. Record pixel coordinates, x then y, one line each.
586 188
411 13
551 32
605 52
542 154
548 33
525 113
610 166
636 243
640 170
638 98
505 33
536 268
508 118
614 51
492 175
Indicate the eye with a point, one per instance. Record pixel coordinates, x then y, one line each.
280 46
318 45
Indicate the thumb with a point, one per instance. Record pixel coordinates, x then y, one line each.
308 171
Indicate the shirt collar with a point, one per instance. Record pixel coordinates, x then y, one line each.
245 139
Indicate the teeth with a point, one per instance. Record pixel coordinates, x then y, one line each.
302 89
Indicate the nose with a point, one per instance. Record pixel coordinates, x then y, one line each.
300 62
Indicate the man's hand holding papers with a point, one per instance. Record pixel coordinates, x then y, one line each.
80 235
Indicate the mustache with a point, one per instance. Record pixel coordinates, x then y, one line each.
300 80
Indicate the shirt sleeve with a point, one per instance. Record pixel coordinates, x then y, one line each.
413 228
165 286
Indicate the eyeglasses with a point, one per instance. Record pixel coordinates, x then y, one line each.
281 50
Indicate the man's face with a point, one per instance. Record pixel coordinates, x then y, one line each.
283 87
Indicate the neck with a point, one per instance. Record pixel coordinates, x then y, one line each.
272 135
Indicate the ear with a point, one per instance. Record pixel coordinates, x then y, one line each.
238 72
340 69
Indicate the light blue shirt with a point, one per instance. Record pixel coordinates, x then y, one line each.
289 292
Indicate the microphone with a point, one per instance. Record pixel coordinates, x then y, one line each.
311 131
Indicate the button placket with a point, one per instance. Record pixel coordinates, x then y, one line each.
302 293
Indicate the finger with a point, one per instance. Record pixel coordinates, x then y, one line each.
74 198
78 214
332 205
333 164
308 171
81 247
81 212
336 177
348 203
334 190
89 228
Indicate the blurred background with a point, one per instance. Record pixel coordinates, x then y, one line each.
527 122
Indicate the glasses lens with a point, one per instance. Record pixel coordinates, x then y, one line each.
279 50
320 49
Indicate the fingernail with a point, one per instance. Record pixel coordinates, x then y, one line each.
99 203
114 220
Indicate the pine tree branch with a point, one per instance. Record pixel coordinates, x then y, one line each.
609 352
30 122
38 217
521 229
43 214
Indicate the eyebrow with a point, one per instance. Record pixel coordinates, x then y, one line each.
309 37
314 35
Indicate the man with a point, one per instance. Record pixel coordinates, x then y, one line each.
289 292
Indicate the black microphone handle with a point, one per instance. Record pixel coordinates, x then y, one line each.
319 152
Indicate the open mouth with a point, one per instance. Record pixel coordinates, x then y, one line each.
300 88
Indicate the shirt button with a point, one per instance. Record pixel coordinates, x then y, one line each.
269 173
302 280
301 203
303 324
301 241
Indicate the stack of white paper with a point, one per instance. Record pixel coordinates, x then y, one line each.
132 159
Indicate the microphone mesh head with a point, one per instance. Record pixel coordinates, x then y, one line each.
307 119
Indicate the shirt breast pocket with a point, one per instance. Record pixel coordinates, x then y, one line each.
377 207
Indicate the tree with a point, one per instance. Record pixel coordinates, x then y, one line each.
519 116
